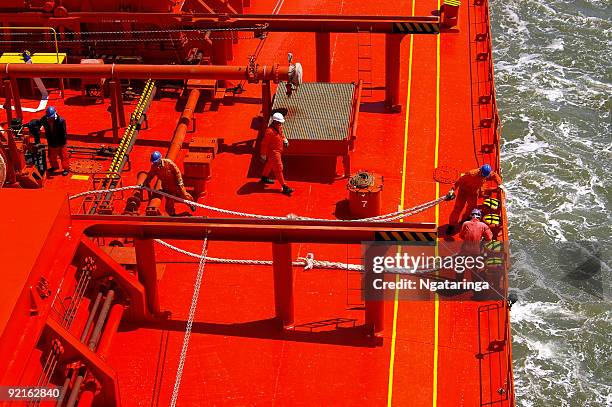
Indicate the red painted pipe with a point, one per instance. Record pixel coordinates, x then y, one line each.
183 125
110 330
273 73
176 143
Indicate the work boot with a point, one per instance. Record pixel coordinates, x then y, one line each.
266 180
192 207
65 172
286 190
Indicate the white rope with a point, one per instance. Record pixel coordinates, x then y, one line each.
192 310
381 218
308 262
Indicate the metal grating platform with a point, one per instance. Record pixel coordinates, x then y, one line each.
316 111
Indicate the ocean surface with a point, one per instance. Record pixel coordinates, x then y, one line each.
553 71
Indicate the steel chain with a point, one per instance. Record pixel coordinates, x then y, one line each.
192 310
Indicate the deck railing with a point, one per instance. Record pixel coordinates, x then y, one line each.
488 128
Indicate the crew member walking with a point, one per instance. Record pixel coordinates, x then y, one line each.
172 182
55 132
473 232
467 188
271 152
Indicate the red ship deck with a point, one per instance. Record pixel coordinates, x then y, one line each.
428 353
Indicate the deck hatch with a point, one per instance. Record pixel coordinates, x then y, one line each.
316 111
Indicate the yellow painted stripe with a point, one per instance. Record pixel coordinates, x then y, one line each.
402 201
434 402
80 177
393 339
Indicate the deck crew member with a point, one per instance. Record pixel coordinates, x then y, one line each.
55 132
473 232
271 152
467 189
172 182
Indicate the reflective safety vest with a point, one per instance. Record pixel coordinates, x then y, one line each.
491 203
494 246
492 219
494 263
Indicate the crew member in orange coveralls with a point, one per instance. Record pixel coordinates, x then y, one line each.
172 182
473 232
271 152
467 188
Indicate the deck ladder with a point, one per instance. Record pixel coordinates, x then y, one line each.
364 61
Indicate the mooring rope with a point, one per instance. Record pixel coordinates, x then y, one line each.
308 262
401 214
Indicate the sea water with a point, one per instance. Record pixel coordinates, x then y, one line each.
553 71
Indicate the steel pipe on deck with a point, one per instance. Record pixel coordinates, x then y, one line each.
254 74
240 230
177 141
110 330
247 22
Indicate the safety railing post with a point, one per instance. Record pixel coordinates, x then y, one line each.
147 271
392 71
283 283
322 45
374 316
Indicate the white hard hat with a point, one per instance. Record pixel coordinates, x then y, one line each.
278 117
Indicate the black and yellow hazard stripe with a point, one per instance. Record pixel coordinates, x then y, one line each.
406 236
492 219
415 28
491 203
453 3
131 130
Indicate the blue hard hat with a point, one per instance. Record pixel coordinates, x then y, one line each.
26 55
156 156
485 170
50 112
476 212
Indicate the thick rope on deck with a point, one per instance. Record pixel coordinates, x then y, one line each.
308 262
389 217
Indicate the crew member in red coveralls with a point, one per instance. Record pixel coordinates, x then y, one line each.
271 152
473 232
172 182
467 189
